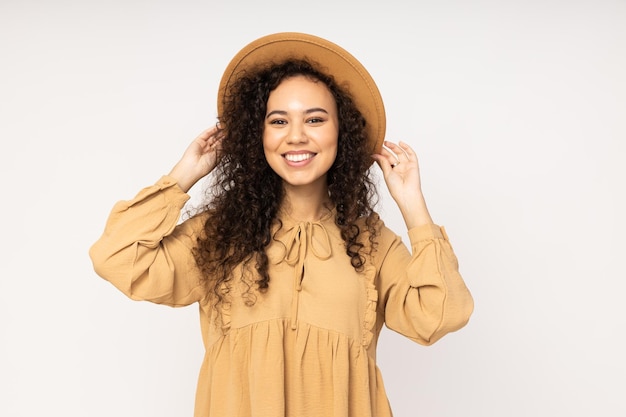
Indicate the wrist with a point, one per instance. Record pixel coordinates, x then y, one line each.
183 179
415 212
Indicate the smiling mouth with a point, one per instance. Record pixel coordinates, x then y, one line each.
298 157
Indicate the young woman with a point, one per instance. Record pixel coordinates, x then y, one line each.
294 272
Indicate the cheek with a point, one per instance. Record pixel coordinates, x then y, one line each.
269 150
335 144
269 142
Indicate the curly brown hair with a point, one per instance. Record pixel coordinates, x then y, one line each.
246 194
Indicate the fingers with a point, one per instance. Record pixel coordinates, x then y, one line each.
210 138
393 155
401 152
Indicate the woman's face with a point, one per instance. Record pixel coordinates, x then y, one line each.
301 130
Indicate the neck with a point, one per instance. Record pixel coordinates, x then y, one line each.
305 203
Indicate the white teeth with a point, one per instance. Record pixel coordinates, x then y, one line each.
298 157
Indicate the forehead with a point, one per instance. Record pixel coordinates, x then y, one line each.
302 87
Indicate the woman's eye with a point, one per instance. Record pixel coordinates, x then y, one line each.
277 122
316 120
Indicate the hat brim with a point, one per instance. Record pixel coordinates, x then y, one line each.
347 71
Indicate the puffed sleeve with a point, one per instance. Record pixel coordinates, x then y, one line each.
423 295
145 253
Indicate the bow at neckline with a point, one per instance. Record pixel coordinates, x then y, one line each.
300 241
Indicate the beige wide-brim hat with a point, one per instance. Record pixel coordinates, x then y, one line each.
332 59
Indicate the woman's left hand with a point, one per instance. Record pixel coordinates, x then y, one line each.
401 172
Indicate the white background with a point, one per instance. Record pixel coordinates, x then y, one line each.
516 108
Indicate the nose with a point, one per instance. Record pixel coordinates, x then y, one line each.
297 133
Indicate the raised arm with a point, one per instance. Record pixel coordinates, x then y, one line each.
423 295
144 251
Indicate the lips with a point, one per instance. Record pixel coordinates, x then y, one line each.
298 157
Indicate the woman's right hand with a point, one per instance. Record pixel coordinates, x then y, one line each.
200 157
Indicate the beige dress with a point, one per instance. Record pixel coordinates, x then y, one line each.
307 347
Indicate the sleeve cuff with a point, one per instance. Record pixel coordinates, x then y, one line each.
166 182
427 232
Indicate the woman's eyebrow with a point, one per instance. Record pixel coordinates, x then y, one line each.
308 111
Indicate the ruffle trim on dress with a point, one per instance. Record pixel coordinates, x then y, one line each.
371 303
